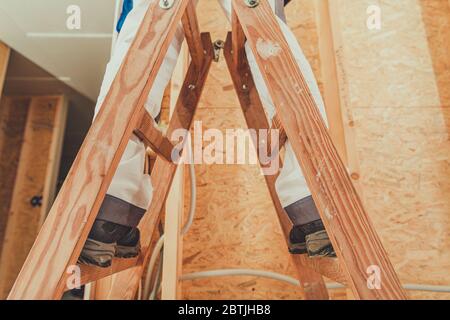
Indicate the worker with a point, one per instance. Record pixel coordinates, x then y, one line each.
115 232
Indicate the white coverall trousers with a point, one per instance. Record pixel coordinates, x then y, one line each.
130 192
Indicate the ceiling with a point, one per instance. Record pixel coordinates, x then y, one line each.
37 30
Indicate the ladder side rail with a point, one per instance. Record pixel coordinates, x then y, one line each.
311 282
349 227
65 230
163 172
192 34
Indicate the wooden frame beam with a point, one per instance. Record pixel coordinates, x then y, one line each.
348 225
64 232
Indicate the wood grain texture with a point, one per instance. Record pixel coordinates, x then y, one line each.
347 223
61 239
163 171
192 33
152 137
36 176
92 273
312 283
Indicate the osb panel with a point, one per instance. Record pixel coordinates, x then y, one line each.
236 225
398 87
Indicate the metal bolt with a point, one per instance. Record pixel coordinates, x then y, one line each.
245 87
218 45
251 3
166 4
191 87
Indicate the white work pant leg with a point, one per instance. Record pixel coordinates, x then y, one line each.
130 192
291 184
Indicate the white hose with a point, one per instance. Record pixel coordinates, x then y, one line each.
290 280
240 272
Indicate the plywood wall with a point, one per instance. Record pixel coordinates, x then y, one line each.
394 92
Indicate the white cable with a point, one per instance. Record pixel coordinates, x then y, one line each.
160 244
290 280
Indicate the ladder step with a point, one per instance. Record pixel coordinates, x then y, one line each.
153 138
327 267
92 273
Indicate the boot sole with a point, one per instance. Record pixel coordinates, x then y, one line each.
126 252
97 253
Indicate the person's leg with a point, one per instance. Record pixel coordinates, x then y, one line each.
308 234
115 230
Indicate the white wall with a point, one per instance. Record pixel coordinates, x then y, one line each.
37 29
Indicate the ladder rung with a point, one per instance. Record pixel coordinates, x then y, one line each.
328 267
154 138
92 273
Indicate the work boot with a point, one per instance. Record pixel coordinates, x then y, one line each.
100 247
319 245
312 239
308 234
129 246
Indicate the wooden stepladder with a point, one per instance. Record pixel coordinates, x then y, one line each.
60 241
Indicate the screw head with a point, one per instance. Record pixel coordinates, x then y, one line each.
166 4
251 3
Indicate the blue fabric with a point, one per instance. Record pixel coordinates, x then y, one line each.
126 8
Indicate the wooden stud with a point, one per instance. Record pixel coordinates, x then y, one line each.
36 177
330 79
312 282
13 117
348 225
172 268
336 90
62 237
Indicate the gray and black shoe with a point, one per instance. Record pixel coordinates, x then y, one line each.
100 247
97 253
318 245
312 239
129 246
